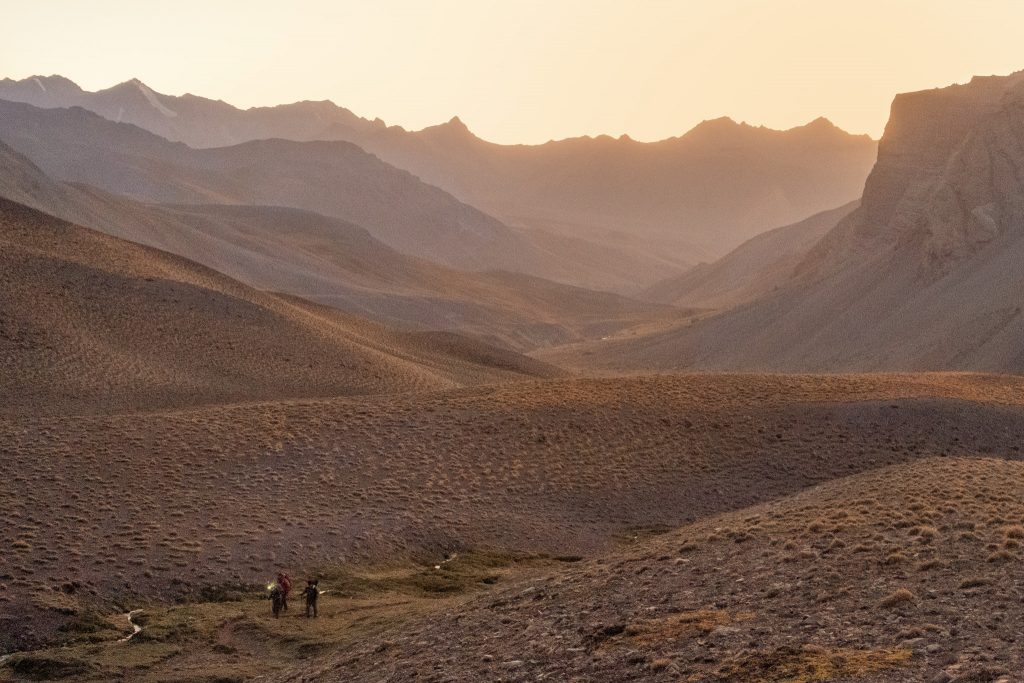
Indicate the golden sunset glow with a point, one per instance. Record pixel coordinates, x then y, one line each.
518 340
531 70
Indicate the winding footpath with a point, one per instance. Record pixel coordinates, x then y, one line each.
136 629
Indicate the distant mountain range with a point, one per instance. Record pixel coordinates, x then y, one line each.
666 205
334 178
196 121
690 198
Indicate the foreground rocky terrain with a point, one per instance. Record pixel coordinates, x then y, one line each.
171 505
906 573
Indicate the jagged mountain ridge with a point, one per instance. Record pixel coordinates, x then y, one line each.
696 196
196 121
334 178
682 199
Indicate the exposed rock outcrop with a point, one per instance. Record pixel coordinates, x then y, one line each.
948 175
925 274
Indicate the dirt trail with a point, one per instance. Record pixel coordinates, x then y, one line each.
136 629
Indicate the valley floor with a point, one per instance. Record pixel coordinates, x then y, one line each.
726 527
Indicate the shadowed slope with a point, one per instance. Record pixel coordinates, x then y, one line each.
341 265
752 270
93 323
337 263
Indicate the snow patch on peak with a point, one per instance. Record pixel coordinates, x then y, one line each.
152 99
39 83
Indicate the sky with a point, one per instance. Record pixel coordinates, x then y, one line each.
527 71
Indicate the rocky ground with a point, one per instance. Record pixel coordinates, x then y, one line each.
907 573
108 513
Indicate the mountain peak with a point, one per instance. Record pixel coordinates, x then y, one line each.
34 87
822 126
822 123
455 123
55 80
454 128
720 123
132 86
711 129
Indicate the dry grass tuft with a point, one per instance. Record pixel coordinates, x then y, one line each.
898 597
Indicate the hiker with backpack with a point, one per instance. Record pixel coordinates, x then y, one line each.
276 599
285 582
312 594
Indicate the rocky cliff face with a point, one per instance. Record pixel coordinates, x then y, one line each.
949 177
925 129
980 192
926 275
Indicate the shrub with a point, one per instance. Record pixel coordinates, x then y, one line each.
899 597
894 558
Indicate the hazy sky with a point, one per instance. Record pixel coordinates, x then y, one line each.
526 70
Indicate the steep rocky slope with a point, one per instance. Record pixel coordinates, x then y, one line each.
924 275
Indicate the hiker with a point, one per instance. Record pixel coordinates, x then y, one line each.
285 582
312 594
276 599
